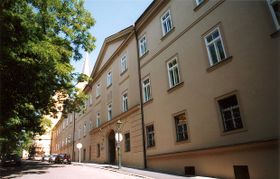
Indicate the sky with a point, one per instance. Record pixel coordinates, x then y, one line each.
111 16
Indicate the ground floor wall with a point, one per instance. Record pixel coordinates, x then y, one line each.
260 158
104 150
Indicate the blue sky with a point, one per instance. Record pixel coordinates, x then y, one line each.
111 16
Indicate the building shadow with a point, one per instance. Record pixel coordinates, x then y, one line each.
27 167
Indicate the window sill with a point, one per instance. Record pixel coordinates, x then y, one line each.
224 133
151 147
109 86
197 7
145 54
148 102
182 141
179 85
123 72
167 34
275 34
221 63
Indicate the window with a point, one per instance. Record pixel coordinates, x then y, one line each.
274 7
146 85
97 90
123 64
127 142
90 99
230 113
85 129
98 120
241 171
142 45
98 150
215 47
90 126
198 2
67 121
173 72
79 134
71 118
109 112
166 23
124 102
69 138
150 136
109 79
181 127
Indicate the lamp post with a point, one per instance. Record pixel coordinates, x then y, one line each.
79 146
119 137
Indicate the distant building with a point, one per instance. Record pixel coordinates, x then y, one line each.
195 84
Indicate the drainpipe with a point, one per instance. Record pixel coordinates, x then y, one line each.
141 100
73 150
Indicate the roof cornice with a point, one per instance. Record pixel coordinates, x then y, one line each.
151 11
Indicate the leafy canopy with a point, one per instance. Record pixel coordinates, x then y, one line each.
39 38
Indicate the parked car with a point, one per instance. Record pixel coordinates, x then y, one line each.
38 157
52 158
63 158
45 158
11 160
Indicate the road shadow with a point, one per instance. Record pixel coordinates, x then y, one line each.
27 167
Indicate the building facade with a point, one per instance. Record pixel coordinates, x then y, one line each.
195 85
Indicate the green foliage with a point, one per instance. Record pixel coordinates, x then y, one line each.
39 38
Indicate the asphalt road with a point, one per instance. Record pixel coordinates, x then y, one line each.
37 169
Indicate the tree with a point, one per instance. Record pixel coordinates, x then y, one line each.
39 38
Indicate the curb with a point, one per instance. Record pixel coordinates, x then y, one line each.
110 168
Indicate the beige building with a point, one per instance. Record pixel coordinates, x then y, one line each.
208 72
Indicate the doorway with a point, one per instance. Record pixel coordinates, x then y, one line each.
112 147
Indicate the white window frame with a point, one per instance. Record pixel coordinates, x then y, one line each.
98 119
273 14
69 138
67 121
142 45
125 102
109 78
70 118
63 123
146 88
172 70
90 100
214 42
109 112
166 21
198 2
123 63
85 129
98 90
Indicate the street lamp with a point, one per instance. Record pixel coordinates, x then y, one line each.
79 146
119 137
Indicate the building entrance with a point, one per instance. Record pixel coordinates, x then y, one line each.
112 147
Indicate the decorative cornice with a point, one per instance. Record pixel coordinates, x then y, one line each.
116 118
151 11
219 149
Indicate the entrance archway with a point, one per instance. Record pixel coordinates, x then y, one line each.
112 147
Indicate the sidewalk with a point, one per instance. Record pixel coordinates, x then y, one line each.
137 172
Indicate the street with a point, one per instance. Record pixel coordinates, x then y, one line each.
37 169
